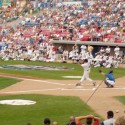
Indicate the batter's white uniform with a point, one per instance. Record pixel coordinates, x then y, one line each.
86 67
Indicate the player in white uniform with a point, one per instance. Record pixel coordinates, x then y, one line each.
108 50
117 51
86 67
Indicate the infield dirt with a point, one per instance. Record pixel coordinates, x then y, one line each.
102 100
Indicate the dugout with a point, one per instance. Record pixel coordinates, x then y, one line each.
96 45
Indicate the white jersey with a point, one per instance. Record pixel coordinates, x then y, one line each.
117 50
110 121
108 50
29 52
83 47
86 66
102 50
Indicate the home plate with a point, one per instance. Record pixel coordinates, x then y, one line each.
94 89
79 87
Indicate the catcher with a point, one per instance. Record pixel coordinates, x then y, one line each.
110 79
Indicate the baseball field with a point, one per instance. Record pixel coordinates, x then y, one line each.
52 87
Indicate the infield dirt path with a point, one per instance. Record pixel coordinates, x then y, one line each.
102 100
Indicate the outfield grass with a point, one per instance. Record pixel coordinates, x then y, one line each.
4 82
121 99
57 108
74 70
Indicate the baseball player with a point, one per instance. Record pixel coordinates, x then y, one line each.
110 79
86 67
117 51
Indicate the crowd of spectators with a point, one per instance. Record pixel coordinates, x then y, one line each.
11 13
101 21
31 40
8 15
49 53
90 120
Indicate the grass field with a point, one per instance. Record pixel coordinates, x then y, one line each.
57 108
121 99
4 82
74 70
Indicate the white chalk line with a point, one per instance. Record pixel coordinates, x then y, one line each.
36 80
27 91
59 89
117 88
79 88
45 81
56 83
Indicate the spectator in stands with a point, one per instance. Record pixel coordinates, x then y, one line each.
89 119
72 121
55 123
73 22
28 124
110 119
47 121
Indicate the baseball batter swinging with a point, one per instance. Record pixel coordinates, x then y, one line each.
86 67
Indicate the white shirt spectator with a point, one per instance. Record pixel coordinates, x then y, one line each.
110 121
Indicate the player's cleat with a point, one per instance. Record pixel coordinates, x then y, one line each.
94 83
111 86
78 84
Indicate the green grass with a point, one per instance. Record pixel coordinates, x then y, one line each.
4 82
57 108
121 99
74 70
